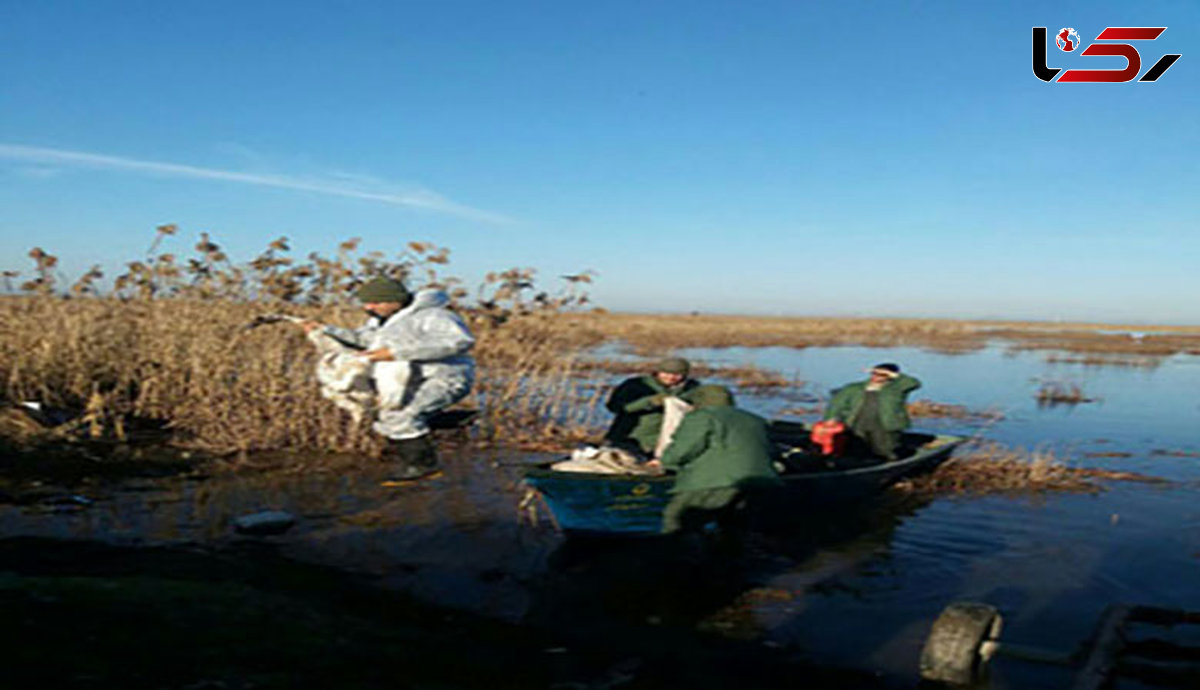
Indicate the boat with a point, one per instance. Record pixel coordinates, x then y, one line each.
584 503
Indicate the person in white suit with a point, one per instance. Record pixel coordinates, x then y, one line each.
416 339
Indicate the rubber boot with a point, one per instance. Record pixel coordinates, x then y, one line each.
414 458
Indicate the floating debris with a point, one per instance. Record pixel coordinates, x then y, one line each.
1175 453
1052 393
1143 361
265 523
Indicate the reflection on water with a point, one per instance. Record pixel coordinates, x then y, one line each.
855 590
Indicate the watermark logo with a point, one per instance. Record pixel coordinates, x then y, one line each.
1067 41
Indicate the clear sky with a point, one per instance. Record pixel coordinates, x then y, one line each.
856 158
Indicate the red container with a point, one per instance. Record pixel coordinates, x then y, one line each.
829 437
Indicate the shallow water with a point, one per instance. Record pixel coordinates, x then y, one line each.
1051 564
861 596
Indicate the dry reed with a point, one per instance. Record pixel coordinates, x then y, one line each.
167 343
746 377
932 409
656 333
991 468
1051 393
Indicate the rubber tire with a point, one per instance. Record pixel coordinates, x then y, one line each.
951 653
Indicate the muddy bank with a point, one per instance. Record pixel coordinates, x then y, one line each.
91 615
132 576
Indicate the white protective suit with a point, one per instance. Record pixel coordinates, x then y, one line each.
432 342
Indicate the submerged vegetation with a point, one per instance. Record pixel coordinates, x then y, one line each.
992 468
932 409
1051 393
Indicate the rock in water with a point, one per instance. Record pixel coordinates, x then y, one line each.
265 523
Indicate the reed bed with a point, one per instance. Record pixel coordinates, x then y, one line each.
992 468
745 377
1051 393
927 409
930 409
1108 360
654 333
166 346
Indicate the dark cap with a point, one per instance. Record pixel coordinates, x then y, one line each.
381 289
887 368
673 365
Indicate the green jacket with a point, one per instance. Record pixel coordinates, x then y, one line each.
720 447
847 400
638 413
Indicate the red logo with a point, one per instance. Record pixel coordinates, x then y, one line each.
1067 40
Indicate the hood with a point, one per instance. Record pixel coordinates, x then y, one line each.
428 298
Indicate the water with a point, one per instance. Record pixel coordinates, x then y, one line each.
1139 410
863 599
1051 564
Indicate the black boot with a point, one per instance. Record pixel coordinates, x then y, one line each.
414 458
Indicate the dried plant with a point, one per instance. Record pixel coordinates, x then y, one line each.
654 333
991 468
165 342
1051 393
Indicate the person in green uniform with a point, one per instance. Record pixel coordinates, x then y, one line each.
720 455
638 405
874 410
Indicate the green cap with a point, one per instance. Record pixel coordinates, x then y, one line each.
710 396
383 289
673 365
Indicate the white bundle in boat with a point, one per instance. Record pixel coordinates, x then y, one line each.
604 460
609 460
348 379
674 410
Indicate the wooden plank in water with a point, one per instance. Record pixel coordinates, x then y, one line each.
1106 646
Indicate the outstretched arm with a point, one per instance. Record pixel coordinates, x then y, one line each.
626 398
439 335
906 383
352 337
690 440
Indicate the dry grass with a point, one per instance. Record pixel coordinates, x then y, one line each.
657 333
167 343
1170 453
1051 393
1108 360
746 377
936 410
927 409
991 468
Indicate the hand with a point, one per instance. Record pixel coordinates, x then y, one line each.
654 465
657 400
379 355
309 326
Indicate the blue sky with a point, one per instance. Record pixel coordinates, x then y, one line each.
850 158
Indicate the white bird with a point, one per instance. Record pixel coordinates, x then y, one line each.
349 380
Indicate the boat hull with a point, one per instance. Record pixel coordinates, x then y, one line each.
632 505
